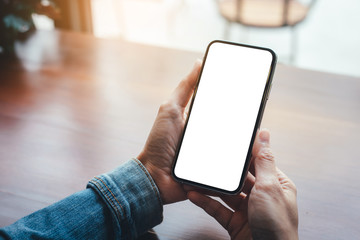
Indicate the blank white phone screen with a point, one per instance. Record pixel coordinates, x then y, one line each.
223 116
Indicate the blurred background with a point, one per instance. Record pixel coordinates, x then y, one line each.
69 101
322 35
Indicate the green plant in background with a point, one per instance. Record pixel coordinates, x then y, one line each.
16 21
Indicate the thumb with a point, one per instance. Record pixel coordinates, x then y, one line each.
264 161
185 89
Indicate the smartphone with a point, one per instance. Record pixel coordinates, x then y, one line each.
214 150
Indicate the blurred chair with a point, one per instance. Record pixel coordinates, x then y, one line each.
266 14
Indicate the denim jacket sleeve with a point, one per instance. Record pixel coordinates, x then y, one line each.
121 204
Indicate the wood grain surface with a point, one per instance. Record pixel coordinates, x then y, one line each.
73 106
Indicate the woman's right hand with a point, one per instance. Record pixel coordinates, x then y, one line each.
266 209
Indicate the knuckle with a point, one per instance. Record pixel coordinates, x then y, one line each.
266 155
165 105
170 109
269 186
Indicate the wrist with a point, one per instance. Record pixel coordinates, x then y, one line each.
160 171
151 169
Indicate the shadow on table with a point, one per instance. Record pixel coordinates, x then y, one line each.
152 235
149 235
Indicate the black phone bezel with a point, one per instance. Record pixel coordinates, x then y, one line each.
256 126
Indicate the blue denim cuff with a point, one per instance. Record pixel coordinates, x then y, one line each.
132 197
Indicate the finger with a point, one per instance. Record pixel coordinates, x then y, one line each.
185 89
235 202
257 145
189 188
253 153
285 182
212 207
252 167
264 161
249 183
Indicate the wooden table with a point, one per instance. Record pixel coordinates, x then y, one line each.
73 106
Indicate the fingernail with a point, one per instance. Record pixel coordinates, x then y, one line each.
264 136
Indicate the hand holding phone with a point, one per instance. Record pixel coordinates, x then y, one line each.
214 150
158 153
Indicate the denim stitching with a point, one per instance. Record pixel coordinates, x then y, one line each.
122 209
112 203
150 179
